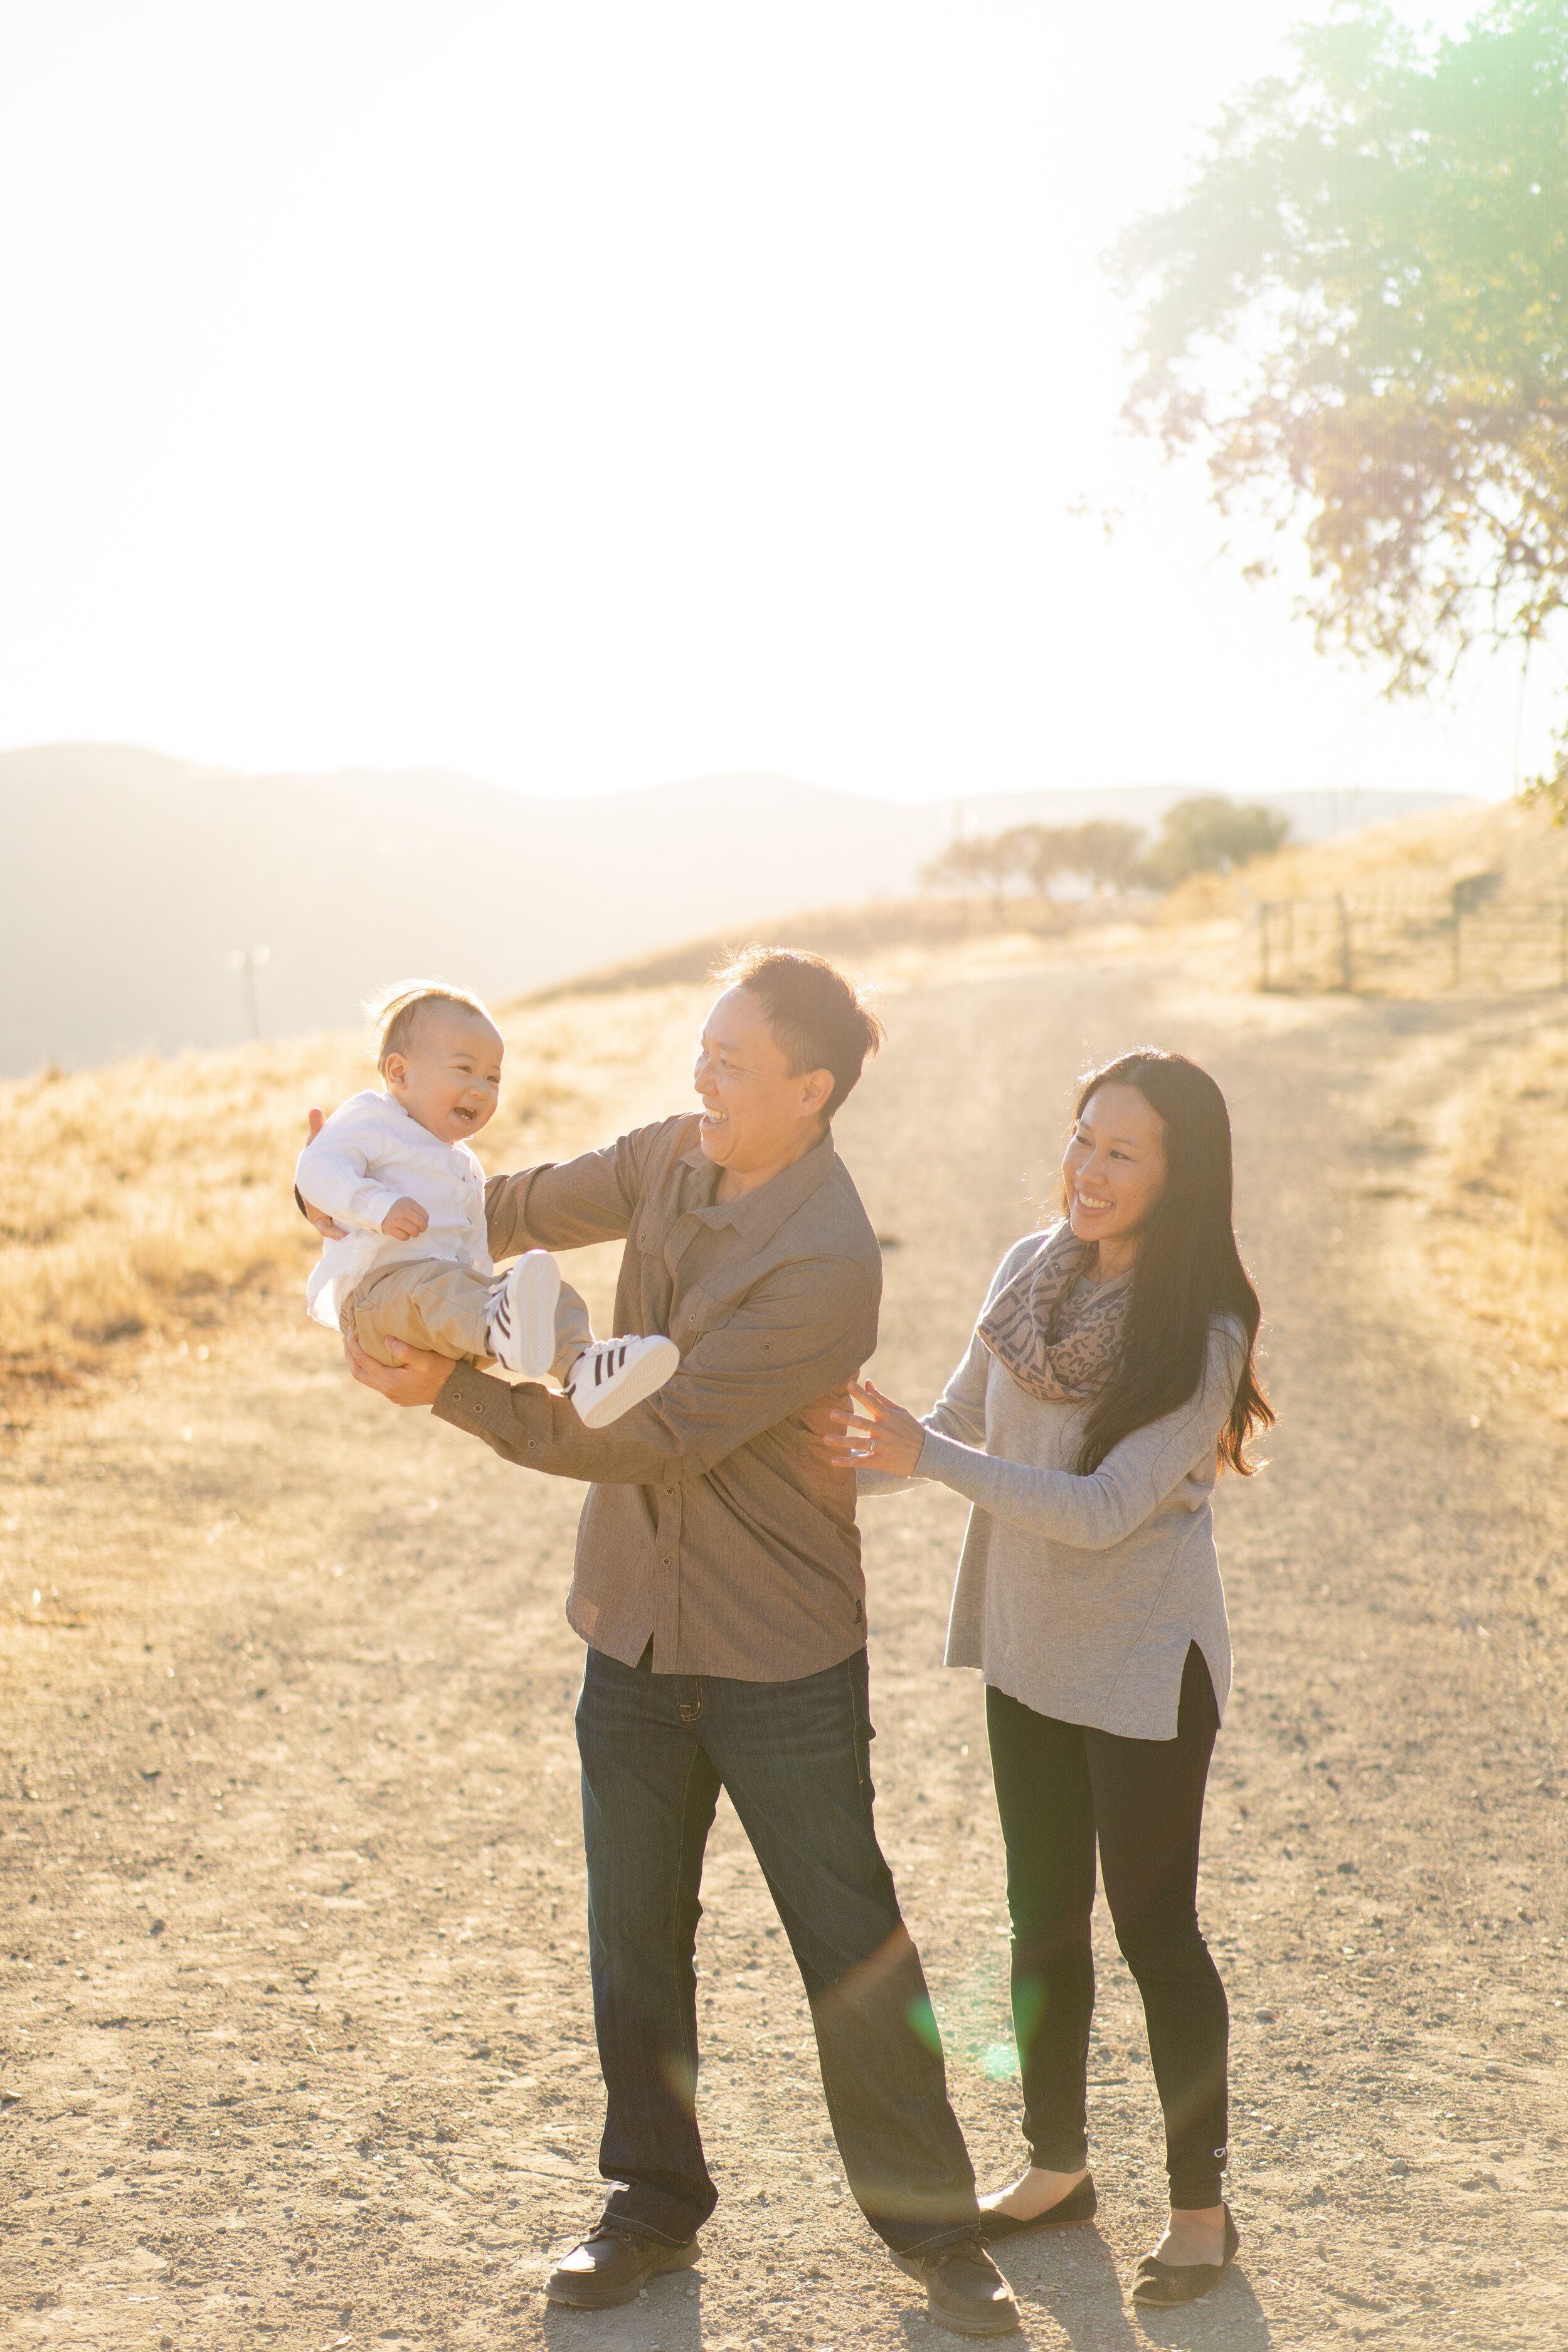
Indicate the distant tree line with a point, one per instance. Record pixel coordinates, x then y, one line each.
1206 835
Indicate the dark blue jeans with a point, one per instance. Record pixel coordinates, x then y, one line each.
794 1757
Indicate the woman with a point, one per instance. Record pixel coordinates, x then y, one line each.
1110 1378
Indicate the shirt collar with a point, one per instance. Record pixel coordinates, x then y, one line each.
757 1216
421 1132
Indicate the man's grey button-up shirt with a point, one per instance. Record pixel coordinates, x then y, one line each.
714 1525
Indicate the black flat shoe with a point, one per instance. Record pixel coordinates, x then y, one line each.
1169 2282
613 2266
1079 2204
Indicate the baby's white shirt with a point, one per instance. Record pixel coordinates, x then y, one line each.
369 1154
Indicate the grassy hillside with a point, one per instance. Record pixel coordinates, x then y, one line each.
145 1204
1491 1193
854 936
174 869
1499 1241
1514 840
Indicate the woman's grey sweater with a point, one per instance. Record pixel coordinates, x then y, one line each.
1079 1596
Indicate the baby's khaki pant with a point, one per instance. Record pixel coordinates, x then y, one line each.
429 1302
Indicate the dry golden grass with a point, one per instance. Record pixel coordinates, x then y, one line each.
1496 1231
1494 1228
1516 840
147 1200
144 1202
1500 1240
1397 884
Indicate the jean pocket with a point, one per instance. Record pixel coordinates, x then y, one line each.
863 1735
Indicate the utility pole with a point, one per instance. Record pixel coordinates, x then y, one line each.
247 963
1346 973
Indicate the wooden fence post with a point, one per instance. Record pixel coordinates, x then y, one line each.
1344 914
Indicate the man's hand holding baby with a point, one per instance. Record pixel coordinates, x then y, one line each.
405 1221
416 1378
326 1226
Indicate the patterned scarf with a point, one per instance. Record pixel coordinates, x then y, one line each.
1020 1327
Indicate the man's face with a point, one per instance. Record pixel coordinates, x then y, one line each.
756 1112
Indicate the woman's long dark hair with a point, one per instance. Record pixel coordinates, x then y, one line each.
1187 1268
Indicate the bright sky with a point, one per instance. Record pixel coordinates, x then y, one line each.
592 394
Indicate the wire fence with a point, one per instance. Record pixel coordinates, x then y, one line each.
1409 940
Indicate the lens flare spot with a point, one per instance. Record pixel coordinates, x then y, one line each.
921 2018
680 2079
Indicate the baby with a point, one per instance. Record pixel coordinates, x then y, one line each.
395 1170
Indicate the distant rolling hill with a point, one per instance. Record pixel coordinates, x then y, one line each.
128 878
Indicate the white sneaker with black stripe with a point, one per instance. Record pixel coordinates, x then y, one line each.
522 1317
613 1375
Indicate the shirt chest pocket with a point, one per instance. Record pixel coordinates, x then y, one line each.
696 1314
729 1344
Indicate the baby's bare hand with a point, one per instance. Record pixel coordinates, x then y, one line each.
404 1221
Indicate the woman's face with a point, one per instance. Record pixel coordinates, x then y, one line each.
1113 1169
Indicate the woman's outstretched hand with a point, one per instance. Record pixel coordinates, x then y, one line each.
879 1435
416 1378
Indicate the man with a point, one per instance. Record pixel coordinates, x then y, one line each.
717 1587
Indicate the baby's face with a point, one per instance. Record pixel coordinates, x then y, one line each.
450 1079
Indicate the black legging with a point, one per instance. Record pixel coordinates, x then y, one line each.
1060 1785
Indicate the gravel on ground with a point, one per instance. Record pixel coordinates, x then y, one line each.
294 2038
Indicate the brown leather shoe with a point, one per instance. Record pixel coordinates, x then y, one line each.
965 2292
613 2266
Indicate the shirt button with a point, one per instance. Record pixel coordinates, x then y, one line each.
669 1490
664 1559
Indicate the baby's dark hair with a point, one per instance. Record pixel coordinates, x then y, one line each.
394 1014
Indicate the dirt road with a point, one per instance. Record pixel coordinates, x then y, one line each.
295 2042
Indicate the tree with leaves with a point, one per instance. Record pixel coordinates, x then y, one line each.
1104 852
976 861
1209 834
1359 311
1039 851
1101 852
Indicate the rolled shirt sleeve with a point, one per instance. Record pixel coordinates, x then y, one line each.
567 1204
803 1330
715 1525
